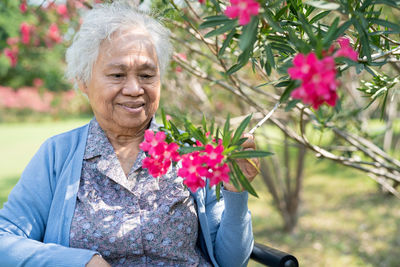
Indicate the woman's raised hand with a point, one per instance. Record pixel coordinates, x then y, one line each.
249 167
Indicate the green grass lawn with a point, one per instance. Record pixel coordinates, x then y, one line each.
19 142
344 220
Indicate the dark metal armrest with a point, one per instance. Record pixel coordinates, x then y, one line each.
272 257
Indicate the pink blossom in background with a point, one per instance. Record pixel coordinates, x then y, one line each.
63 11
68 95
38 83
346 50
12 55
202 1
54 33
11 41
243 9
25 30
318 79
26 98
23 7
178 69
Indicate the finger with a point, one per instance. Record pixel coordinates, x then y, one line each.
249 143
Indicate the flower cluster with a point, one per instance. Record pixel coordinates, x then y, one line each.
207 163
161 154
196 166
318 76
33 35
243 9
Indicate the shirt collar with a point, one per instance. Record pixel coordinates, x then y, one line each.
97 142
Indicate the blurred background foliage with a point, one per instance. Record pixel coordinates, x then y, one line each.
310 205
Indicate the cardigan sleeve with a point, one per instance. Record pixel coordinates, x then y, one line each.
230 227
24 217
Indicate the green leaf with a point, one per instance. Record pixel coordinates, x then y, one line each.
249 34
234 180
217 133
218 191
323 5
273 22
385 23
239 131
342 28
291 105
226 42
270 55
319 16
197 133
244 154
226 135
229 149
283 48
363 39
212 127
226 27
242 179
213 21
293 84
391 3
189 149
307 29
331 34
242 61
241 141
175 131
282 11
164 119
204 123
216 5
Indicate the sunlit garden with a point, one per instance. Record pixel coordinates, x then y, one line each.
320 80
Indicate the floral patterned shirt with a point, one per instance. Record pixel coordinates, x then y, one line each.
133 220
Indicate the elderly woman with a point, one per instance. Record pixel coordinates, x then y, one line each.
84 199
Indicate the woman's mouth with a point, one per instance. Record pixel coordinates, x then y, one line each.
132 107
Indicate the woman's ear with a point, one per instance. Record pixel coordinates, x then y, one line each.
83 87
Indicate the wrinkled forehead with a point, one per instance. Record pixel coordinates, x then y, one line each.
130 40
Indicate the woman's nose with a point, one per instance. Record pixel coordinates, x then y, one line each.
132 87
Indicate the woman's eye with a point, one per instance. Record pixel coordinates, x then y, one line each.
146 76
117 75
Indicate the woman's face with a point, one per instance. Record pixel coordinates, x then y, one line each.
124 89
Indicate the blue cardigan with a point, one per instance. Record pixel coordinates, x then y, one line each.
35 221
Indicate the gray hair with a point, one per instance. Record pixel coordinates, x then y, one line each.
99 24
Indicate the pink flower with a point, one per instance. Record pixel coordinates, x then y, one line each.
12 55
202 1
63 11
196 166
219 174
38 83
243 9
25 29
161 154
193 171
346 50
318 79
23 7
12 41
54 33
213 156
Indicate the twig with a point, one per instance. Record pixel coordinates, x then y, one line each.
261 122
